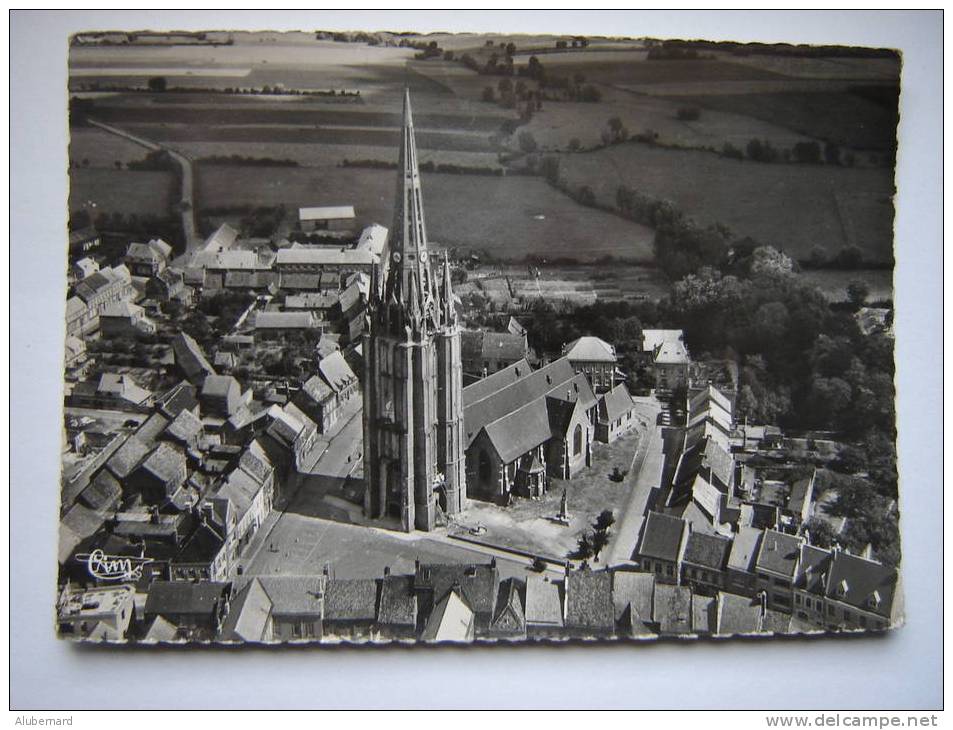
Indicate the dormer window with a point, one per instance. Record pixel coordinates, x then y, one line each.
874 599
842 588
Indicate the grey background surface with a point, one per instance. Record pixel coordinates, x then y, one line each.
900 671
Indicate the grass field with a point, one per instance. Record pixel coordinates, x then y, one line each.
508 217
792 207
101 149
846 119
123 191
834 283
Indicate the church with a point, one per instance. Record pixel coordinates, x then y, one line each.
429 443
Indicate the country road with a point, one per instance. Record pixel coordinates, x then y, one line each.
187 196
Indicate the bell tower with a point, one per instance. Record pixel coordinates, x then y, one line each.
413 391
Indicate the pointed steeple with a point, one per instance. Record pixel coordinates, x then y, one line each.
409 248
449 311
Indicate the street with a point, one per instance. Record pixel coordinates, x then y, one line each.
645 474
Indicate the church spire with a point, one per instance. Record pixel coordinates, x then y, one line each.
409 249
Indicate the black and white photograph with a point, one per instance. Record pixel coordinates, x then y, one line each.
404 337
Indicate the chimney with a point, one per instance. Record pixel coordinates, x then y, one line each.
386 570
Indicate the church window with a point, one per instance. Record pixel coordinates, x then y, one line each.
577 441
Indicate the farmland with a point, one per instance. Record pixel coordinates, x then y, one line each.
123 191
508 217
98 148
792 207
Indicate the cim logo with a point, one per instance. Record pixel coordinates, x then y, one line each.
113 567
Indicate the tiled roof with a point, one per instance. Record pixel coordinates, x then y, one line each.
219 386
589 349
336 372
738 615
190 357
616 403
653 338
744 548
180 597
324 256
373 239
285 320
102 492
485 403
661 537
166 462
450 620
672 353
509 617
481 345
704 618
520 430
398 604
127 457
478 583
248 614
543 604
351 600
813 568
589 600
326 213
311 300
177 399
184 427
202 546
779 553
293 595
222 239
672 608
707 551
301 282
255 462
633 591
862 583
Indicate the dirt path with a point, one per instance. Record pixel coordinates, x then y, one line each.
187 197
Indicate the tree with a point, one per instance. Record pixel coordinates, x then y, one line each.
832 154
550 169
584 547
857 293
157 83
819 532
599 541
617 130
604 521
489 94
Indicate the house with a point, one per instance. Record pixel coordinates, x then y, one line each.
296 607
124 319
810 584
374 240
476 585
322 259
615 415
523 426
160 474
544 607
96 292
740 576
397 609
74 353
324 394
148 259
704 478
326 218
221 395
588 603
271 325
320 302
596 359
776 568
632 597
738 615
178 398
190 359
451 620
661 547
705 562
199 607
96 614
83 240
704 614
289 437
202 555
485 353
249 615
111 391
666 353
79 320
167 285
861 593
672 609
510 619
350 608
84 267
